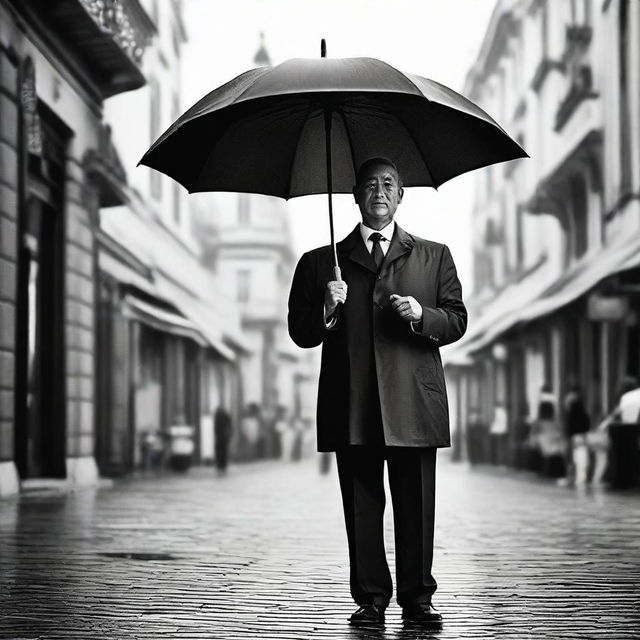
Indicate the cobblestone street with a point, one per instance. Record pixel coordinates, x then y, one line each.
262 553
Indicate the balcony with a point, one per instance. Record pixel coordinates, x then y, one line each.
575 61
578 36
103 41
580 89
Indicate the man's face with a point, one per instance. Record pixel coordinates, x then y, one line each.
378 195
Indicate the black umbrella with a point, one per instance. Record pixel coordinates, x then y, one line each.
304 126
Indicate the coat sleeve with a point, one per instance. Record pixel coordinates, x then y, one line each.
447 322
306 321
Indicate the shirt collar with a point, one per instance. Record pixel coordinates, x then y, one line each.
386 232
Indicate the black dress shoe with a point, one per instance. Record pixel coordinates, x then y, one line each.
422 612
368 613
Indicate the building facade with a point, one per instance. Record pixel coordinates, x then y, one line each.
59 62
556 236
170 339
111 330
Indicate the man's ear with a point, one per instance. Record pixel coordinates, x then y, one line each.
355 193
400 194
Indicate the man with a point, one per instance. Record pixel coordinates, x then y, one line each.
222 435
382 391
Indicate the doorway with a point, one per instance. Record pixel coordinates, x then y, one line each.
40 379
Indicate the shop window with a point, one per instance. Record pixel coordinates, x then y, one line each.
572 350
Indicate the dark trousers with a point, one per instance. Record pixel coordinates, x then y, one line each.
412 484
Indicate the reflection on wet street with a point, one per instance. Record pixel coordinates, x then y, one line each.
262 553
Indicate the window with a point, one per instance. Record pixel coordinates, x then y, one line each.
154 11
154 132
175 39
579 209
580 12
624 102
520 211
544 26
177 211
175 106
244 281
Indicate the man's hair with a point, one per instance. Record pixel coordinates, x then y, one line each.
367 164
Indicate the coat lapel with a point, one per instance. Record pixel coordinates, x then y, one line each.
401 244
354 248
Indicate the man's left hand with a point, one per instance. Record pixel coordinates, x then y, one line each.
407 307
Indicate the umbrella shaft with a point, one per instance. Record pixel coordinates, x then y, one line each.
327 132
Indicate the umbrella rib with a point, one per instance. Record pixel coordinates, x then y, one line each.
426 164
346 128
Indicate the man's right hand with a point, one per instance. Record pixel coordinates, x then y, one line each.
335 293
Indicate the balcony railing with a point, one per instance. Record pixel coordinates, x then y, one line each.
103 40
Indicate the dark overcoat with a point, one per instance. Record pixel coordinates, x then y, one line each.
375 368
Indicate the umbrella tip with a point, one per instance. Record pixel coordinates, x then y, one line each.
323 48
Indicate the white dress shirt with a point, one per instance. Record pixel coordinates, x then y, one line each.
386 233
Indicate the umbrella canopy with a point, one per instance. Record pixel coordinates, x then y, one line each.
266 131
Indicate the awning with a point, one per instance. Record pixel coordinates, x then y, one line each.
574 285
125 274
177 276
161 320
199 314
201 332
570 287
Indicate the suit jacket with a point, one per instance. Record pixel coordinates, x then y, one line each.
375 368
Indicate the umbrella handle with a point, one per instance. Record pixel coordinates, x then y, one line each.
337 273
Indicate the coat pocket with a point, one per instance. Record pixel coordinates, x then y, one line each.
428 378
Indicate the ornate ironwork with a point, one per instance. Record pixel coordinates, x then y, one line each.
112 18
29 102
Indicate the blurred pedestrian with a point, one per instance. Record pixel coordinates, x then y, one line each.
382 391
629 402
477 435
576 424
250 429
222 437
626 410
296 425
547 434
284 433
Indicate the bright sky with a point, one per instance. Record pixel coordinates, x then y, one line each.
439 39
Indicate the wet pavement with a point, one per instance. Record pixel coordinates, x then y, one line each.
261 553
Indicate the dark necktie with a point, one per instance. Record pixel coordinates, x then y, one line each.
377 254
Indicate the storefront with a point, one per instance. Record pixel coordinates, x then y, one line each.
58 63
